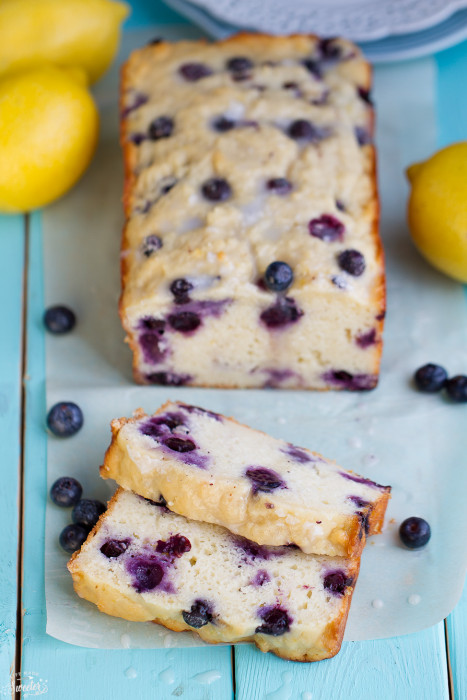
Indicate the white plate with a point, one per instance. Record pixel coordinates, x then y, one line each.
359 20
393 48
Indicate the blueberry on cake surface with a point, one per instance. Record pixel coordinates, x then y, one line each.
224 588
239 157
210 468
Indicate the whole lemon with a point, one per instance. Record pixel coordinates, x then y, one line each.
68 33
48 134
437 209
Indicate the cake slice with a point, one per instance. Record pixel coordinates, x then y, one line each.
142 562
251 255
208 467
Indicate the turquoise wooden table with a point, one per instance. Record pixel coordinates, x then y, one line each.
429 665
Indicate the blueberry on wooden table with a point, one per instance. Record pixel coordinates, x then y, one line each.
278 276
59 319
414 532
87 512
65 419
456 388
66 491
72 537
430 378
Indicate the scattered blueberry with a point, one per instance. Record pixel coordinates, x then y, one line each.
72 537
223 124
199 614
278 276
66 491
147 572
150 245
326 228
282 313
180 445
276 621
239 64
185 321
180 288
161 128
264 479
175 545
301 129
216 189
336 581
87 512
456 388
65 419
352 261
430 378
194 71
414 532
114 548
59 319
279 185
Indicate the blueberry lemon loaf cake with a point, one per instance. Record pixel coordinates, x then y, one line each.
251 255
211 468
142 562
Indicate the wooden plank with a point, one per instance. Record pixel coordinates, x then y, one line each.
11 293
456 625
403 668
75 672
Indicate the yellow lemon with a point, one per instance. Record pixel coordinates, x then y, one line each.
437 209
48 134
82 33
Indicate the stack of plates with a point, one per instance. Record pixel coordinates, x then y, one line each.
386 30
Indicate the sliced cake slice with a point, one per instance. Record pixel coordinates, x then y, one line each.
143 562
208 467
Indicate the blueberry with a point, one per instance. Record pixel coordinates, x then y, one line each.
161 128
364 94
199 614
180 288
336 582
430 378
365 340
114 548
59 319
314 67
276 621
329 50
363 136
180 445
66 491
414 532
279 185
301 129
185 321
167 378
352 261
72 537
139 99
87 512
194 71
223 124
149 323
216 189
147 573
137 139
278 276
456 388
239 64
326 228
282 313
264 479
176 545
340 205
65 419
150 345
150 245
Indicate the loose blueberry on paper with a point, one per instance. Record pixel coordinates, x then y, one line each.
59 320
72 537
430 378
456 388
65 419
87 512
66 491
414 532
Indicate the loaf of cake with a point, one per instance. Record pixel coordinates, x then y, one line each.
251 255
210 468
142 562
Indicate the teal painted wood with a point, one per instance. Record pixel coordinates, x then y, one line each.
11 293
74 672
457 636
147 13
403 668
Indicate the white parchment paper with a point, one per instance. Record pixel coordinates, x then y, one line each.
394 435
